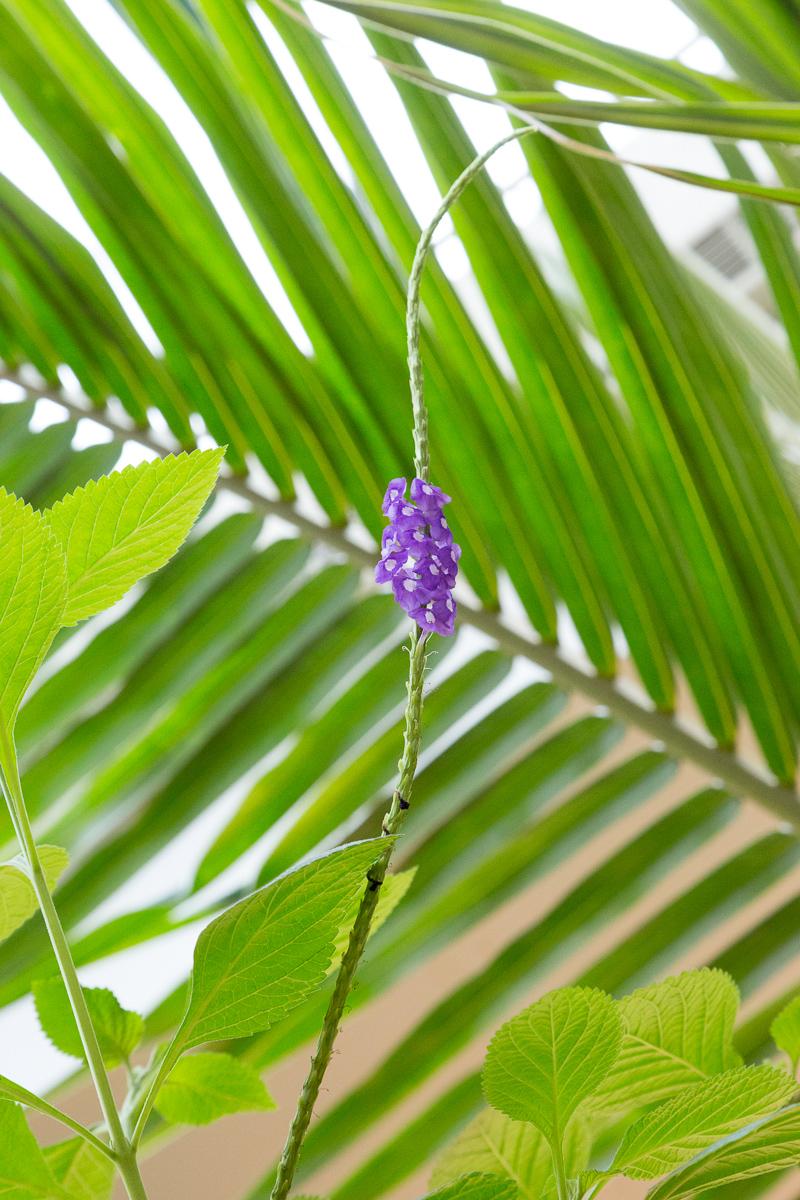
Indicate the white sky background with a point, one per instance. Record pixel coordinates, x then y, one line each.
143 975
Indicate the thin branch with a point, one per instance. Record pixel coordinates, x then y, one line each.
625 702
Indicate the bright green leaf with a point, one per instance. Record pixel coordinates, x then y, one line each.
119 1031
205 1086
24 1171
785 1030
771 1145
477 1187
677 1130
17 898
263 956
494 1144
33 589
83 1172
676 1033
544 1062
124 526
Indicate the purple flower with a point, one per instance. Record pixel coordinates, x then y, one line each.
395 491
427 497
418 555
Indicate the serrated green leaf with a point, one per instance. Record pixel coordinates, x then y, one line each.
769 1146
205 1086
83 1172
477 1187
263 956
24 1171
119 1031
676 1033
785 1031
17 898
679 1129
124 526
494 1144
33 591
544 1062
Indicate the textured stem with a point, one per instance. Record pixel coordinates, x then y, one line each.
129 1170
392 824
562 1187
12 788
421 450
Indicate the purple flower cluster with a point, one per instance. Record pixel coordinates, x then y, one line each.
418 555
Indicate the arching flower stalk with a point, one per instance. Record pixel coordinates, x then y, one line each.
420 560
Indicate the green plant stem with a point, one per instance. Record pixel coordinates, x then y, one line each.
394 818
12 789
150 1087
128 1168
392 824
418 406
562 1187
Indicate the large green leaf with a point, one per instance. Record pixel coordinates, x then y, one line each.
674 1034
763 1148
120 528
543 1063
698 1116
264 955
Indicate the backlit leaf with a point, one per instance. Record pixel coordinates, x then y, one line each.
700 1115
17 898
118 1030
202 1087
675 1034
124 526
80 1168
264 955
544 1062
771 1145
